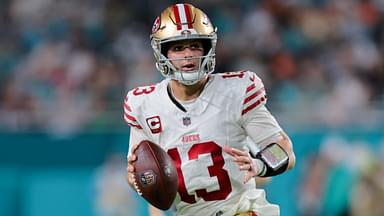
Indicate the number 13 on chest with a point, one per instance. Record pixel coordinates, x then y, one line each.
215 169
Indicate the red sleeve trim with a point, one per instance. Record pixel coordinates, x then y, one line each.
254 105
136 126
131 121
127 108
252 96
129 117
250 88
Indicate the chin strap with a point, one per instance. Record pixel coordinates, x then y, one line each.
271 160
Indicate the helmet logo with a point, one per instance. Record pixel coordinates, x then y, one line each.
156 25
205 20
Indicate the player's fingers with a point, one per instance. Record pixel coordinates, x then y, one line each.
246 167
243 159
131 178
130 168
239 152
134 147
132 158
243 162
127 178
228 150
234 152
239 163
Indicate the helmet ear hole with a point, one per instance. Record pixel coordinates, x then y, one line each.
207 45
166 69
164 48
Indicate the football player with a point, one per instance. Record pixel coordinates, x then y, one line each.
203 120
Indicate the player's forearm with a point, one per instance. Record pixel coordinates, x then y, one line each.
286 144
275 156
283 140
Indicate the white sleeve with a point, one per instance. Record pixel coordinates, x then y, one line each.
260 125
136 136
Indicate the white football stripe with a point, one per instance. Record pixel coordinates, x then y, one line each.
183 16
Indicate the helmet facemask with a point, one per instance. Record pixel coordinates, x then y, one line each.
206 63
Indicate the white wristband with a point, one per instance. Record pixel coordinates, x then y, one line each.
261 168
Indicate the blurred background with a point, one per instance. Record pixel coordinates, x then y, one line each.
66 65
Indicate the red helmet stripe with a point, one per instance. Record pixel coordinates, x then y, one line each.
187 10
177 16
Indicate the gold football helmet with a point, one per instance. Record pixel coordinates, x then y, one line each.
183 22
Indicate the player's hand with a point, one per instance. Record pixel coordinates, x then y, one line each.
244 160
131 170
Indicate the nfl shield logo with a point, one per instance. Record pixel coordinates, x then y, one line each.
186 121
148 177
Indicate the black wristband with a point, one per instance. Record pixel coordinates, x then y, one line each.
275 159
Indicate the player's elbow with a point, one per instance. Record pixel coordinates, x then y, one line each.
292 160
286 143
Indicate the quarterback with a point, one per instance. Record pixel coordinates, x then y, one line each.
209 123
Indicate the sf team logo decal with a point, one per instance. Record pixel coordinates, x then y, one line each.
156 25
206 20
154 124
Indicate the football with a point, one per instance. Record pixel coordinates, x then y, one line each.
155 174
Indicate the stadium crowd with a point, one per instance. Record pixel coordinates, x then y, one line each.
65 66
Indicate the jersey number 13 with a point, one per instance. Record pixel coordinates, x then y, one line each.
214 170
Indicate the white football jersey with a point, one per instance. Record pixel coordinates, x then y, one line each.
210 182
